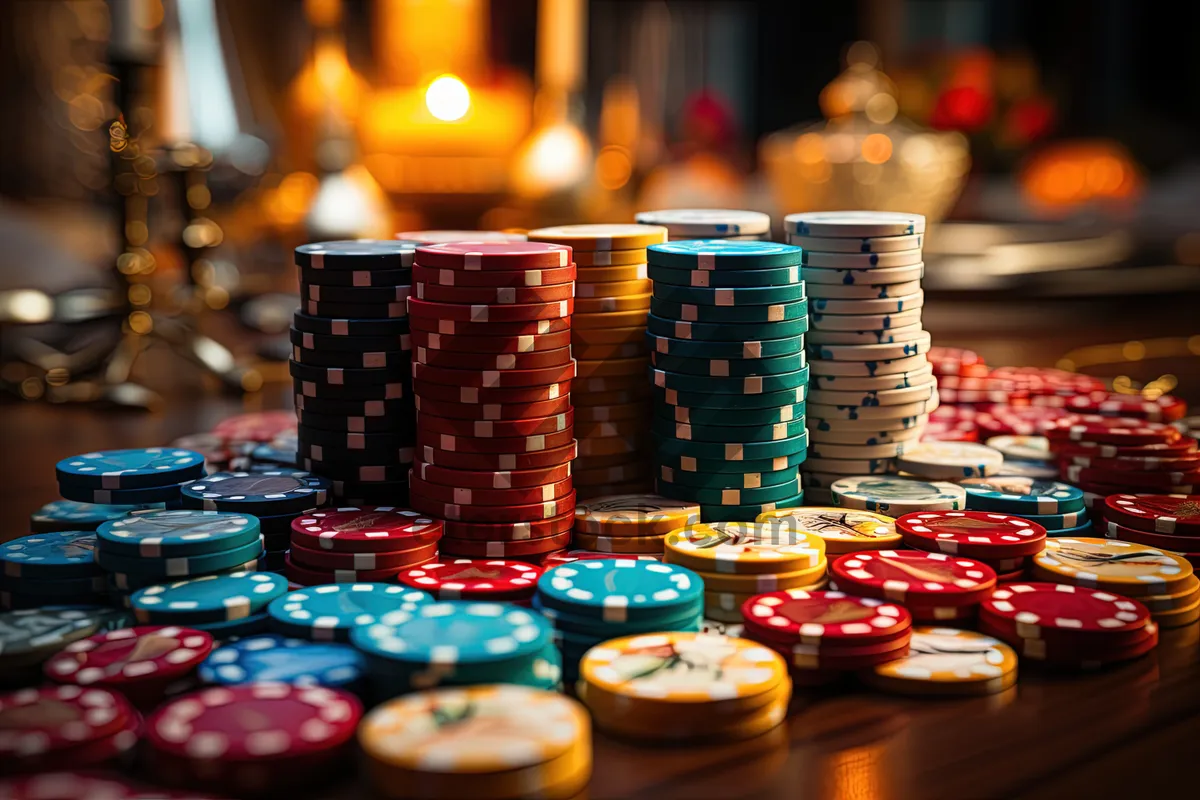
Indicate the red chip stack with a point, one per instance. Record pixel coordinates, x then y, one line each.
952 422
1164 408
53 727
1002 541
934 587
492 372
365 544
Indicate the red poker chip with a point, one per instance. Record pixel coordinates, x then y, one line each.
512 531
1061 643
1038 610
80 786
258 426
541 359
505 444
493 411
963 430
495 379
951 360
1156 513
1161 409
1063 449
492 344
1010 577
366 529
1166 541
472 578
427 392
523 312
569 556
1150 481
975 534
494 295
1110 430
488 429
829 658
932 615
796 616
1072 658
549 276
475 479
495 462
1001 420
513 548
490 497
904 576
450 327
1188 462
383 561
515 513
50 720
127 657
114 750
478 256
314 576
1044 381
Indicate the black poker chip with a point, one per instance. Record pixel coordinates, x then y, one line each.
383 493
356 408
356 470
387 310
358 344
356 254
322 390
349 326
357 277
339 376
395 423
385 359
382 442
354 294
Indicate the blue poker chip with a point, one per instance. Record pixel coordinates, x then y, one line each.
279 659
65 554
234 629
360 254
177 532
180 566
68 515
272 493
139 468
143 497
620 591
209 598
1085 529
330 612
1020 495
273 454
719 254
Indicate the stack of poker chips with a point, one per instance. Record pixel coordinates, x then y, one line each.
30 636
950 423
269 657
51 569
128 477
630 523
273 739
675 687
873 387
359 545
710 223
592 601
737 560
496 580
352 368
1163 581
949 461
225 606
825 635
1004 542
493 376
330 612
68 515
843 530
726 334
458 643
894 496
1058 507
935 587
1171 522
1068 627
612 297
245 442
483 742
1164 408
946 662
151 548
66 727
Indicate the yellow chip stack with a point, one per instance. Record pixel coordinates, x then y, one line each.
738 560
844 530
485 742
630 523
672 687
610 393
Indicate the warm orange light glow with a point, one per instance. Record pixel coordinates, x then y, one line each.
448 98
1074 173
877 148
553 159
613 168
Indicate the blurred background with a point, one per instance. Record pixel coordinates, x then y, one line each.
162 157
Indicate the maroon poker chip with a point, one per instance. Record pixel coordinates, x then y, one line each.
539 459
513 513
428 392
375 561
451 327
476 479
914 576
483 445
143 662
258 426
315 576
473 579
511 548
1133 462
492 344
795 616
512 531
493 295
1165 408
1150 481
365 529
489 429
547 276
1064 449
1037 610
493 411
1008 420
1157 513
489 497
975 534
50 720
481 256
537 360
1110 430
524 312
496 379
1167 541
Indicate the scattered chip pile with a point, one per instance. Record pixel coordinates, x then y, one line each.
49 727
950 423
272 658
1163 581
737 560
226 606
493 376
934 587
140 476
486 742
246 442
612 296
1171 522
494 580
329 613
30 636
370 544
894 496
592 601
825 635
352 367
710 223
873 386
1068 627
630 523
1004 542
259 740
458 643
947 662
675 687
1163 408
51 569
843 530
730 378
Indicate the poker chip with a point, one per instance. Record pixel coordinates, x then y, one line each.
884 494
68 515
150 467
987 536
823 618
950 460
50 556
473 579
1020 495
330 612
212 598
177 532
1126 568
1157 513
634 515
44 725
842 530
926 583
853 224
947 662
277 659
272 492
707 223
157 569
370 529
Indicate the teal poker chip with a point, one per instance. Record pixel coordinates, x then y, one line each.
140 468
574 630
725 298
1085 529
68 515
690 348
727 480
280 659
123 583
12 600
210 598
729 367
31 636
1016 467
542 670
330 612
65 554
727 332
357 254
1060 522
722 416
730 402
1020 495
742 513
723 254
760 314
724 279
734 451
180 566
729 497
177 532
234 629
271 493
736 434
758 384
620 591
54 587
886 494
121 497
703 466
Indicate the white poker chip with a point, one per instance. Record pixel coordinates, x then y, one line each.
707 223
1022 448
951 460
854 224
867 369
886 494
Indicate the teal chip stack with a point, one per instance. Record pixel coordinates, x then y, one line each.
729 373
458 643
69 515
139 476
229 605
589 602
51 569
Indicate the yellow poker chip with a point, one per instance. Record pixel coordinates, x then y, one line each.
611 274
601 236
633 515
1126 568
757 583
608 446
650 545
631 335
844 530
473 729
608 319
744 547
731 602
1182 596
1178 617
720 728
589 259
679 667
619 288
948 661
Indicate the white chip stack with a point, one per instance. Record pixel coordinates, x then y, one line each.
710 223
